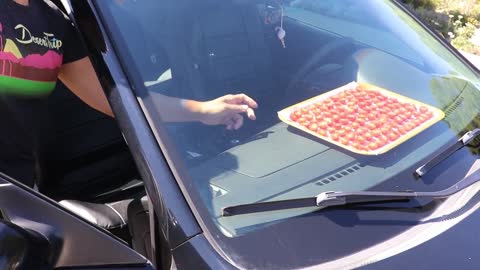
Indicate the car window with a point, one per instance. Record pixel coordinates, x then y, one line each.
203 50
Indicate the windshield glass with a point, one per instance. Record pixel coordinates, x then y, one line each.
417 98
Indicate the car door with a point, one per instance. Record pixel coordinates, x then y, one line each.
38 233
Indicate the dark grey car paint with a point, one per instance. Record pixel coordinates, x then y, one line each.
177 223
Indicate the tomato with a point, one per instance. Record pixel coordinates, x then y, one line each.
398 120
372 115
392 136
380 143
335 98
385 129
392 100
356 145
342 132
350 136
363 147
370 125
313 127
322 132
422 118
416 122
423 109
327 114
402 130
305 123
293 117
373 146
309 117
344 141
334 136
361 139
382 139
429 114
381 97
391 114
344 121
355 125
376 132
322 125
368 135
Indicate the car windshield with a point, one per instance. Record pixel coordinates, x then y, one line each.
352 96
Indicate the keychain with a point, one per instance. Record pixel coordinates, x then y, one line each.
281 35
279 29
274 14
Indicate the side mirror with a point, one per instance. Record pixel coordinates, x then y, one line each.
23 248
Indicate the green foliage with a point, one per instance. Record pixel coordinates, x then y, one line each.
455 20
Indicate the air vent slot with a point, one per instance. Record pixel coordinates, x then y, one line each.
337 175
450 109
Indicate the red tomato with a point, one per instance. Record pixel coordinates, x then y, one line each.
305 123
356 145
391 114
392 136
376 132
402 130
416 122
429 114
423 109
368 135
370 125
380 143
293 117
361 139
334 136
327 114
344 141
344 121
342 132
322 132
313 127
382 139
322 124
373 146
385 130
398 120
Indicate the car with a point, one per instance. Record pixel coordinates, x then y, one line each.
364 153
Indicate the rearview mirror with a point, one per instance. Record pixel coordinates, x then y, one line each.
22 248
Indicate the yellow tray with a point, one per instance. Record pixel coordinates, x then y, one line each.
438 115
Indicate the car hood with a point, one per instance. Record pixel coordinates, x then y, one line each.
446 239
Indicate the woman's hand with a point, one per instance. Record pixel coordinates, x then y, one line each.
227 110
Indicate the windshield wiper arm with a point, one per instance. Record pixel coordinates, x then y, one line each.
466 139
338 198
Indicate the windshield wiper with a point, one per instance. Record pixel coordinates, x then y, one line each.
338 198
465 140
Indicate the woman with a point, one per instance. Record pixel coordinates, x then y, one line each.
38 45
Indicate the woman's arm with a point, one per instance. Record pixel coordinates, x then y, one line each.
80 77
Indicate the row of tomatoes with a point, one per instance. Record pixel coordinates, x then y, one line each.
360 118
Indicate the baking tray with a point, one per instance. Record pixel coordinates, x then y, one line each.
284 116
